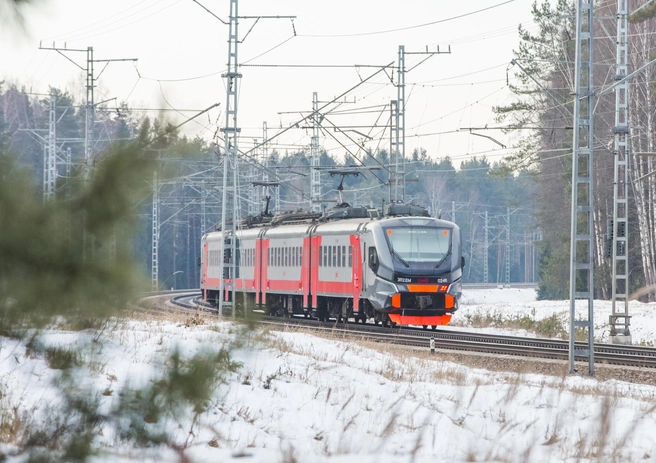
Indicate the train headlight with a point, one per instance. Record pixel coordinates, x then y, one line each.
396 300
449 301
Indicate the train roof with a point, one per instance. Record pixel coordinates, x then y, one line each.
338 220
417 221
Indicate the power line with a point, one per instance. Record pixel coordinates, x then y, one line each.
416 26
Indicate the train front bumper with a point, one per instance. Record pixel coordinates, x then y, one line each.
423 304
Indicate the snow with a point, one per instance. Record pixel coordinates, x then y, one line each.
508 303
298 397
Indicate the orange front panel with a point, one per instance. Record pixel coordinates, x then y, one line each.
422 288
436 320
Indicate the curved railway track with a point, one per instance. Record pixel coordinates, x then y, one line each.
609 354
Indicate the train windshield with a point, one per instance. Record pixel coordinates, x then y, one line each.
419 244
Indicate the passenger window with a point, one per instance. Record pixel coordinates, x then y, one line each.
343 256
330 255
334 256
339 256
350 249
325 256
300 256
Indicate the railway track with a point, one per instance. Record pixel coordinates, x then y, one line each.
609 354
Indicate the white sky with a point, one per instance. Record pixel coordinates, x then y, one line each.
177 42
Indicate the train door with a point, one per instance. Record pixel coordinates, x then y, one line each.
355 262
369 261
203 269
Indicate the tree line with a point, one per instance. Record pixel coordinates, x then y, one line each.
189 187
543 82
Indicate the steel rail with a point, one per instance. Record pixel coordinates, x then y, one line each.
450 340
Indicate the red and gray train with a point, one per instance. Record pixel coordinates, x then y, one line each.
403 268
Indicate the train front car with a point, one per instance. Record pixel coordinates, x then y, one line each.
414 269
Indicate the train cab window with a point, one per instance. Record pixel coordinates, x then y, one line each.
373 259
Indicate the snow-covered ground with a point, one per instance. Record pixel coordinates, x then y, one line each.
507 304
300 398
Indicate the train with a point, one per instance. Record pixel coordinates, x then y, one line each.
400 267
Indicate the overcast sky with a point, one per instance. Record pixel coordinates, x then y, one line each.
182 52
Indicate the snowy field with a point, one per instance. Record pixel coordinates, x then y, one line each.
299 398
508 304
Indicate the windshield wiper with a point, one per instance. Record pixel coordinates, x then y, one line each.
400 258
443 259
